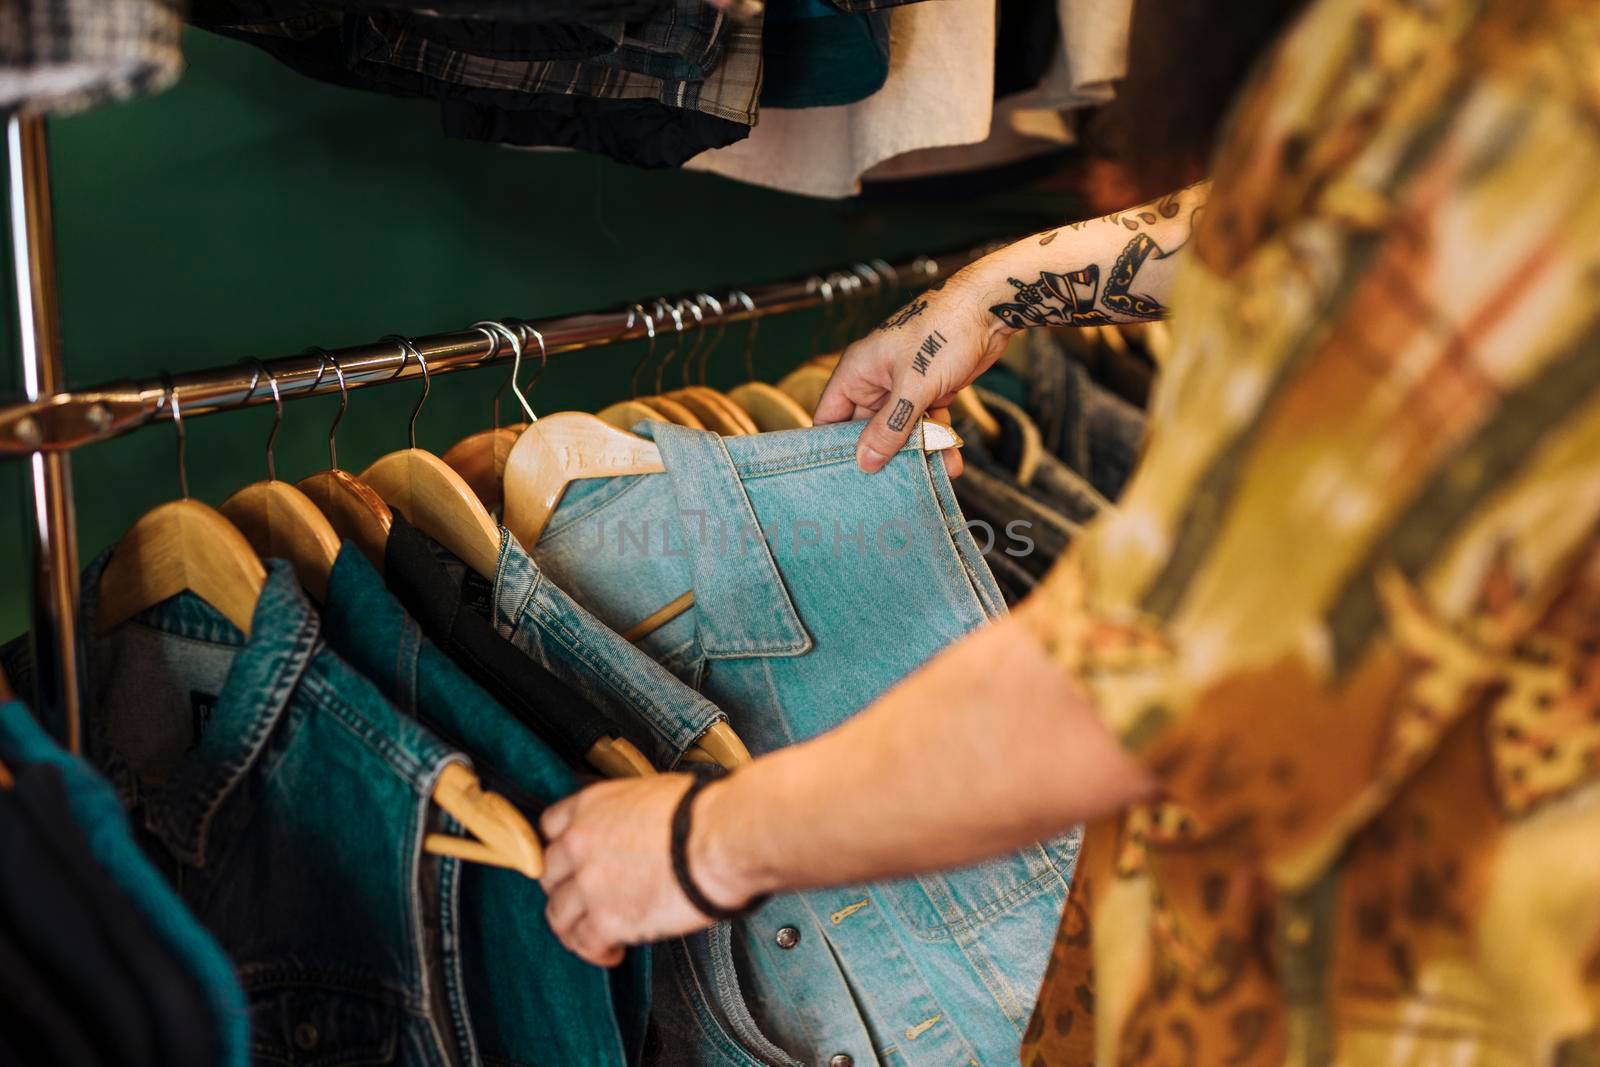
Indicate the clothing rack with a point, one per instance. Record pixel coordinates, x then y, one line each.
52 421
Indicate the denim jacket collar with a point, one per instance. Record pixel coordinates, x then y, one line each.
742 605
285 635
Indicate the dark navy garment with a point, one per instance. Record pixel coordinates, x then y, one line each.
530 1000
220 1016
288 802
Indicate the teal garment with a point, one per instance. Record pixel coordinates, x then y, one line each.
529 999
815 55
105 827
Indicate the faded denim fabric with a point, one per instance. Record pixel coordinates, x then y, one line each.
816 588
1097 433
110 839
700 1015
530 1000
288 802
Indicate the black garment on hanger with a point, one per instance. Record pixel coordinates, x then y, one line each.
1027 36
86 943
454 615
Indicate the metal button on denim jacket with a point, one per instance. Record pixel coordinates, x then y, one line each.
288 802
817 588
529 999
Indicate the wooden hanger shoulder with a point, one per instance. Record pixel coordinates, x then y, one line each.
355 512
626 414
804 385
769 407
480 459
501 835
674 411
739 415
435 500
281 522
560 449
711 414
180 546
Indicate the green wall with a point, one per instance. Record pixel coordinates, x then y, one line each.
251 212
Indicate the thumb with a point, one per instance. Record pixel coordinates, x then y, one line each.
889 429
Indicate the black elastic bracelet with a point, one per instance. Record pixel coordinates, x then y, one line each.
682 822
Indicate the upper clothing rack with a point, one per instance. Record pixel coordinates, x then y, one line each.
62 421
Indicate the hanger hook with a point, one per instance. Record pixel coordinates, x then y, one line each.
544 361
277 413
698 344
485 327
411 350
170 399
815 283
750 334
498 330
676 311
344 398
716 338
649 348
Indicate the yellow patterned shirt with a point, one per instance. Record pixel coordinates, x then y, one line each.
1349 609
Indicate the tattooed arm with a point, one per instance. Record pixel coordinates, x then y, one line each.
1117 268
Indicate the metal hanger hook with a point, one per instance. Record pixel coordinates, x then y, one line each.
170 399
649 348
491 331
514 338
411 350
716 338
750 334
544 361
698 344
277 413
676 312
814 284
344 399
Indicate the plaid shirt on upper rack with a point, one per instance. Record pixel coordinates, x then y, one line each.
59 56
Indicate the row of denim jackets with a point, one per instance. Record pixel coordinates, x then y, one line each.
281 780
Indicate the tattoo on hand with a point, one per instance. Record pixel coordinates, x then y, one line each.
903 316
900 415
929 348
1070 299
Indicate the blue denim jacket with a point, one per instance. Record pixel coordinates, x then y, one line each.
288 802
530 1000
817 588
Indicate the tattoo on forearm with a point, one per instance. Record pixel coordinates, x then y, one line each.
929 348
900 415
903 316
1070 299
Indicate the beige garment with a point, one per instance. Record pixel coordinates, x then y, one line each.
940 91
1016 134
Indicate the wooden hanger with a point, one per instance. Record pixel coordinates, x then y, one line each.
804 385
501 836
280 521
672 411
181 546
713 413
355 512
432 496
626 414
480 458
769 408
558 450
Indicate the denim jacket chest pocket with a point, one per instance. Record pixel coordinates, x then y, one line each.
301 1018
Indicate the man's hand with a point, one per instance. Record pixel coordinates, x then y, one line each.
913 363
608 867
1117 268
